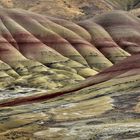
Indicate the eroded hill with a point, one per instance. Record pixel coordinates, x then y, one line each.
66 80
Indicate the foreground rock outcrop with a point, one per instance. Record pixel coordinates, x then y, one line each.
66 80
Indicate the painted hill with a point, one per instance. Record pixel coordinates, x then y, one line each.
69 80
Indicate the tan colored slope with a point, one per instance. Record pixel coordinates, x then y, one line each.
63 47
64 80
125 34
98 109
104 42
135 12
18 40
86 49
37 77
70 9
126 69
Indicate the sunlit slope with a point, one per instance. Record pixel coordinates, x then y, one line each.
125 34
99 105
47 52
71 9
66 80
51 53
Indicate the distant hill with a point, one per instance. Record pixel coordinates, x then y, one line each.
71 9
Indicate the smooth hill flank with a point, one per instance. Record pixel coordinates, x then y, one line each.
125 34
64 80
50 53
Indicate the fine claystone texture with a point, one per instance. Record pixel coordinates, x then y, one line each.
63 80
